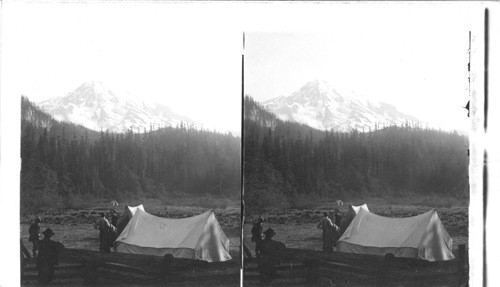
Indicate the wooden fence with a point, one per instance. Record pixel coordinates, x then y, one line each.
298 267
314 268
96 268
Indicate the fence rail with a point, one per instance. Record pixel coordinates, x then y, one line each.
93 267
298 267
322 269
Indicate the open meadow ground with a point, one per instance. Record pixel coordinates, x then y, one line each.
297 227
75 227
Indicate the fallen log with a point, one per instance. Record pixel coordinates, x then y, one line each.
89 257
365 260
142 261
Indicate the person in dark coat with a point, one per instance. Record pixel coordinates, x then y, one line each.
34 232
329 230
114 217
113 230
337 217
257 229
48 256
104 233
269 254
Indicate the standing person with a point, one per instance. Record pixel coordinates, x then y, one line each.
34 232
113 232
257 229
337 217
104 230
328 231
269 254
114 217
48 256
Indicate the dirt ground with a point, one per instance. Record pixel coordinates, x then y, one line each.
297 227
75 228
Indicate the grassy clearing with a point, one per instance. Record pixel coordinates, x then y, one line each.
74 226
297 227
178 200
174 207
432 201
453 214
84 236
307 236
75 229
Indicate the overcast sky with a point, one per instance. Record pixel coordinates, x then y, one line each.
133 49
188 57
414 59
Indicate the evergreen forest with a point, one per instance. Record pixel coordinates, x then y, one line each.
287 162
63 162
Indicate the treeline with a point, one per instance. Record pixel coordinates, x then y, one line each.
56 166
40 120
284 160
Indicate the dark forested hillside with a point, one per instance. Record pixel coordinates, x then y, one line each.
285 160
36 119
61 161
258 117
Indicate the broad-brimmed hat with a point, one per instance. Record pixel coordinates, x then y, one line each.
48 233
269 232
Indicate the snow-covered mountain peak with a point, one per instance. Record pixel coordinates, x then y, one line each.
96 107
319 105
91 93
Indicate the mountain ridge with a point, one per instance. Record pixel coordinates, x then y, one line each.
319 105
95 106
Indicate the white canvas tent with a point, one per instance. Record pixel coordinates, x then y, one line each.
351 213
346 221
422 236
132 209
198 237
126 216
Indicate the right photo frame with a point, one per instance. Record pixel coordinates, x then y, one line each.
357 150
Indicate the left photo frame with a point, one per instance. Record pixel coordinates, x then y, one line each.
129 144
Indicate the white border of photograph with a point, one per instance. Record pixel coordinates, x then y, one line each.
296 16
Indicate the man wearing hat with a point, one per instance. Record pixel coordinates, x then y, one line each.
48 256
269 253
34 232
113 217
113 232
337 217
257 229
